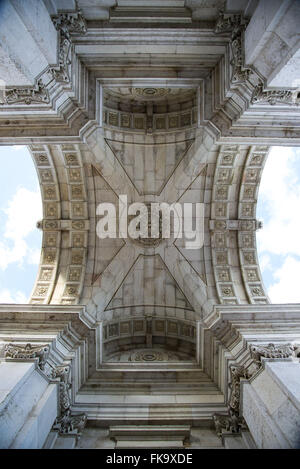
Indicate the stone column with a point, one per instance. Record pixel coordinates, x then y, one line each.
28 404
272 42
270 404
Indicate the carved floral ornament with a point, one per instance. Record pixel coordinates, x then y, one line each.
273 97
27 351
232 422
67 422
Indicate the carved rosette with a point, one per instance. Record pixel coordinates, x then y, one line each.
28 351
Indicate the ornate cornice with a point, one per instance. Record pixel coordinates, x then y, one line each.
28 351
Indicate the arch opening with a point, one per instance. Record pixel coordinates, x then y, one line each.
20 209
278 242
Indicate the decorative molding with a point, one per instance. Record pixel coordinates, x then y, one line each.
237 373
45 168
71 22
67 24
219 224
70 423
27 95
235 225
258 352
236 25
228 423
67 422
272 97
28 351
63 374
250 180
141 122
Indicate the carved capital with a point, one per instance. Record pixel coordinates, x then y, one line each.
28 351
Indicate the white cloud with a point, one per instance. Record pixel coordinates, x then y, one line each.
286 287
6 296
279 199
18 147
265 262
23 211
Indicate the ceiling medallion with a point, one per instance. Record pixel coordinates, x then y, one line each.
150 242
151 356
150 93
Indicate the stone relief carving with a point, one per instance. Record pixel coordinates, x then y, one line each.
273 97
63 373
67 422
235 25
67 24
237 372
228 423
28 351
27 95
258 352
71 424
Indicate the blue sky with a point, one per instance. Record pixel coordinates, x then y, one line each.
278 240
20 209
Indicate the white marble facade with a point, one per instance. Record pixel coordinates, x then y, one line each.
122 338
